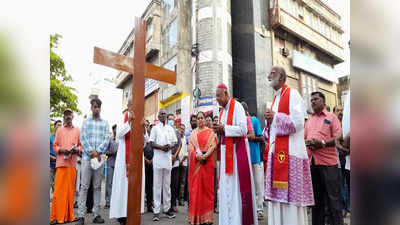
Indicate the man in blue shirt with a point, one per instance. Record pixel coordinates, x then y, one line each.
95 137
257 165
53 155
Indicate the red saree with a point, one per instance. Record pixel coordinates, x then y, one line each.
201 178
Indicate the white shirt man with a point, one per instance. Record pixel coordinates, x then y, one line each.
162 137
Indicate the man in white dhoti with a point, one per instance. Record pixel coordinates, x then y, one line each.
237 195
288 178
119 194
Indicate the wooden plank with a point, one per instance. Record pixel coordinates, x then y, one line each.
136 138
125 63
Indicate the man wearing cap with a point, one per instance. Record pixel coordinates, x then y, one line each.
237 195
67 145
95 137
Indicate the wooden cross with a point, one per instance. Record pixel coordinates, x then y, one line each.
140 69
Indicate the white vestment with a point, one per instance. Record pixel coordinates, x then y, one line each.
230 203
119 194
289 206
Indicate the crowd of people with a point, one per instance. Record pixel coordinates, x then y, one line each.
227 163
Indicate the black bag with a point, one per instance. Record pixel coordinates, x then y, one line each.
148 151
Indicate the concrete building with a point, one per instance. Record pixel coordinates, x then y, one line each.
303 36
237 42
214 43
162 46
343 88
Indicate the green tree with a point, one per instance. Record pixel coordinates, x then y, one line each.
62 96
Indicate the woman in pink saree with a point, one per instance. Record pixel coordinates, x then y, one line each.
202 143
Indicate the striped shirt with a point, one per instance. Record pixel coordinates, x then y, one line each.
95 135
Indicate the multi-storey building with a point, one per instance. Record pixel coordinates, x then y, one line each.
302 36
161 49
249 37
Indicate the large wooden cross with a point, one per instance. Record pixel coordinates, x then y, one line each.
140 69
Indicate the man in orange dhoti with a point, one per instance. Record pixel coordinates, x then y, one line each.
67 145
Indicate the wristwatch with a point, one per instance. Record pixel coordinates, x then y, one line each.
323 143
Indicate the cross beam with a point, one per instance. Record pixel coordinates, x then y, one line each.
126 63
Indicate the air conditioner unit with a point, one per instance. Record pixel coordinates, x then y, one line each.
285 52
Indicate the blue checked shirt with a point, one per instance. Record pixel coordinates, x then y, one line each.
95 134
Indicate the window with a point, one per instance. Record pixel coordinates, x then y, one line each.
170 5
173 34
130 51
149 31
327 30
300 11
320 25
307 17
293 8
314 20
171 65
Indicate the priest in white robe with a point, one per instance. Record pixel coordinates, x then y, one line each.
237 204
288 178
119 194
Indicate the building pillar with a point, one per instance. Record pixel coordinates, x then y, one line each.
217 68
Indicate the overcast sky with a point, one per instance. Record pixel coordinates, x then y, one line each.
106 24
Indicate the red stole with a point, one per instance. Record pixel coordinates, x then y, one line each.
229 140
280 162
127 144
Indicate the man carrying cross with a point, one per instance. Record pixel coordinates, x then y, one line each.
140 70
119 194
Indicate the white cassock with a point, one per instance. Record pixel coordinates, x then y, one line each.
119 193
230 205
289 206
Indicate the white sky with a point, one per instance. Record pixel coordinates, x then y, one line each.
83 25
106 24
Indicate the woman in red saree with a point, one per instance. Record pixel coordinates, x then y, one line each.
202 143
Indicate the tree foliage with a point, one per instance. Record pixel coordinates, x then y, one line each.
62 96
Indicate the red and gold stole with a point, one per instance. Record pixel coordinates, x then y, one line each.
280 164
229 140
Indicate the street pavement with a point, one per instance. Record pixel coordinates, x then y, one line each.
181 217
